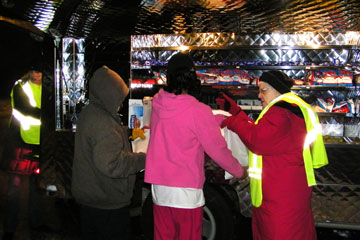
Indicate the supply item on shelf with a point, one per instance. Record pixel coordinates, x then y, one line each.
343 106
331 127
135 113
332 101
341 129
324 104
330 77
224 76
352 128
140 112
239 75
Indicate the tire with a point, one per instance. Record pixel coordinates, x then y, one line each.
218 221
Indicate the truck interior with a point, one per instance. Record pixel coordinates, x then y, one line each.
313 41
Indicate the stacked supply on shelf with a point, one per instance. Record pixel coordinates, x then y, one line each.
337 101
229 76
336 130
339 111
330 77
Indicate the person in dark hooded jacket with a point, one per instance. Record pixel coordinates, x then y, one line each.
104 167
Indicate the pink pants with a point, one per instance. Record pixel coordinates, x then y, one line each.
177 223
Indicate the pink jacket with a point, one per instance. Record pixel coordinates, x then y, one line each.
182 129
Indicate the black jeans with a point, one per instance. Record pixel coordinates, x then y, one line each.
105 224
35 203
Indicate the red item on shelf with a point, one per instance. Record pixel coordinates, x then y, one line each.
136 81
150 81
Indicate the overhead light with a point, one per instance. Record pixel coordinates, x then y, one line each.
184 48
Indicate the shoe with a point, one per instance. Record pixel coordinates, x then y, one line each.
8 236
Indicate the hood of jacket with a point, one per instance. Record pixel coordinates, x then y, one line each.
107 89
169 105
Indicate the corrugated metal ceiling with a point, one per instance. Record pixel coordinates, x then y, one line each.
113 20
108 24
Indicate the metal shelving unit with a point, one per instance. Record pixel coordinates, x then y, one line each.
261 52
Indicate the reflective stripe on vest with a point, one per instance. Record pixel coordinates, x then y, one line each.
30 126
314 157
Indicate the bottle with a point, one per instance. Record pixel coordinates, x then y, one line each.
147 103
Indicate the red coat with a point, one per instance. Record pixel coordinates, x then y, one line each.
285 212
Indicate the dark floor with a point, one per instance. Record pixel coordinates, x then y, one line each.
62 217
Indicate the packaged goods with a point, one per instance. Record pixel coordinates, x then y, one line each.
330 77
147 105
208 76
357 106
241 76
326 103
225 77
299 82
345 78
352 128
219 76
351 106
334 128
160 77
136 113
341 107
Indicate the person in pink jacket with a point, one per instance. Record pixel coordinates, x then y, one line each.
182 130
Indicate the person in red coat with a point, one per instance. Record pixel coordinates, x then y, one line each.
285 212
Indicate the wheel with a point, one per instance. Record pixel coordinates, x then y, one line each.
218 221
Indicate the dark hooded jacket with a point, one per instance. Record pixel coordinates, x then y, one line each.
104 166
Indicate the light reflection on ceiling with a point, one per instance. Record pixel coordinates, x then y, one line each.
110 19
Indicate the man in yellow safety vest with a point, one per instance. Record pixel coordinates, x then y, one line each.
21 153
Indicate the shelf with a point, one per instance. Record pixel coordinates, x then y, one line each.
323 87
246 67
297 87
320 114
333 114
145 86
245 47
140 67
255 67
342 145
243 87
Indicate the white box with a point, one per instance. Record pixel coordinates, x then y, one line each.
136 113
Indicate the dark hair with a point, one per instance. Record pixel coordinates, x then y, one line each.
183 80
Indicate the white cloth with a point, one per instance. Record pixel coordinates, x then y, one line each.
234 143
176 197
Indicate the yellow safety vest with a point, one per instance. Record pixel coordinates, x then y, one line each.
314 152
29 126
